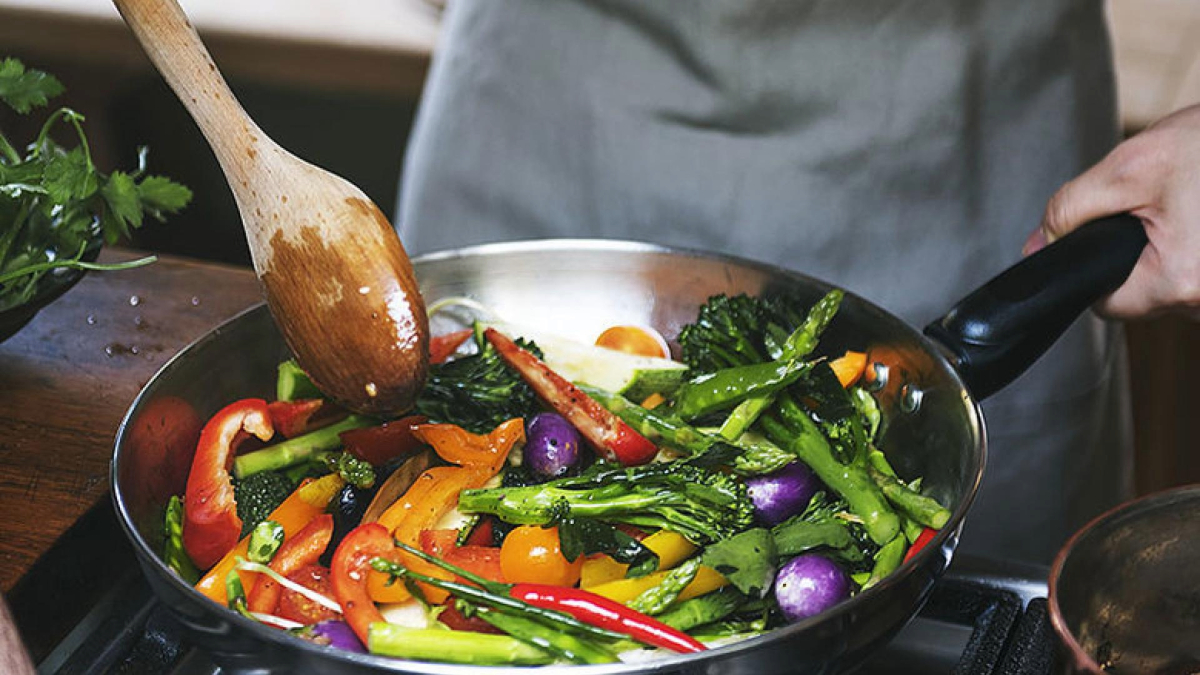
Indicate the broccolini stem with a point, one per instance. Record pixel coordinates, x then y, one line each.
848 480
724 388
296 450
801 342
887 559
756 456
174 554
925 510
570 647
654 426
453 646
658 598
705 609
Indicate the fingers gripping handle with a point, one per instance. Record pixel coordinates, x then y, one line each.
998 331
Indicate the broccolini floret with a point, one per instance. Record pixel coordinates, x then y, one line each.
258 495
701 504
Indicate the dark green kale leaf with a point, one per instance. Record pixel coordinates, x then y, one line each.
478 392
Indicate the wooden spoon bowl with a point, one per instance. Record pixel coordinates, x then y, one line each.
333 270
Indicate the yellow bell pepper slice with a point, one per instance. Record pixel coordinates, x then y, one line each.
623 590
670 547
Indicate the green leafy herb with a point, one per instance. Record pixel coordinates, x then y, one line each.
56 207
583 536
747 559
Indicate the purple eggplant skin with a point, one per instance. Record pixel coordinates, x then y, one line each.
335 633
551 445
783 494
808 585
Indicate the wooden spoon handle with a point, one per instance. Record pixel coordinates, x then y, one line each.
172 44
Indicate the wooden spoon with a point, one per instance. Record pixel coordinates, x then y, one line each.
336 276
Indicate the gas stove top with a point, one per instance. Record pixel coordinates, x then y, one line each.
983 618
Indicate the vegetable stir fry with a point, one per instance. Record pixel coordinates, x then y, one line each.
560 503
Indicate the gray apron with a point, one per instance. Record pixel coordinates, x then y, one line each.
902 149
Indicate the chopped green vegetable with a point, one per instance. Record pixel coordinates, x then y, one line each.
174 554
265 540
293 383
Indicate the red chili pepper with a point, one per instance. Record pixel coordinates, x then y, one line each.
601 612
291 418
211 526
379 445
922 539
351 563
442 347
612 438
300 550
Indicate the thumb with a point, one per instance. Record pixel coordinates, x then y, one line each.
1113 186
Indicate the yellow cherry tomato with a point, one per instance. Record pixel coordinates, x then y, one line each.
634 340
533 554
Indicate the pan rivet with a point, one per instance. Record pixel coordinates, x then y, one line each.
877 378
910 398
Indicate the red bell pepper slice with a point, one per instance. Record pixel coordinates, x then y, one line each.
923 540
602 612
442 347
293 418
481 560
483 534
300 550
381 444
351 563
607 433
211 526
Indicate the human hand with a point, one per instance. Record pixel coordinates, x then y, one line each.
1155 176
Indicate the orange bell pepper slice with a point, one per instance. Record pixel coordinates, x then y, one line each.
436 491
299 509
430 498
849 367
459 446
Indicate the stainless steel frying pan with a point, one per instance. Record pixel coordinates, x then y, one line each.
928 392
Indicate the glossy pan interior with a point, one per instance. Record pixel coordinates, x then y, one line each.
575 288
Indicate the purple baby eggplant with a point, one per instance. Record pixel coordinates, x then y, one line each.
783 494
551 445
808 585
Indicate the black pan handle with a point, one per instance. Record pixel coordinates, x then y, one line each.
997 332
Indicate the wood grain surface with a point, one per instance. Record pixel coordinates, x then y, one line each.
68 377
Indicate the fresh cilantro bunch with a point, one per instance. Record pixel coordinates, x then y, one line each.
56 207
